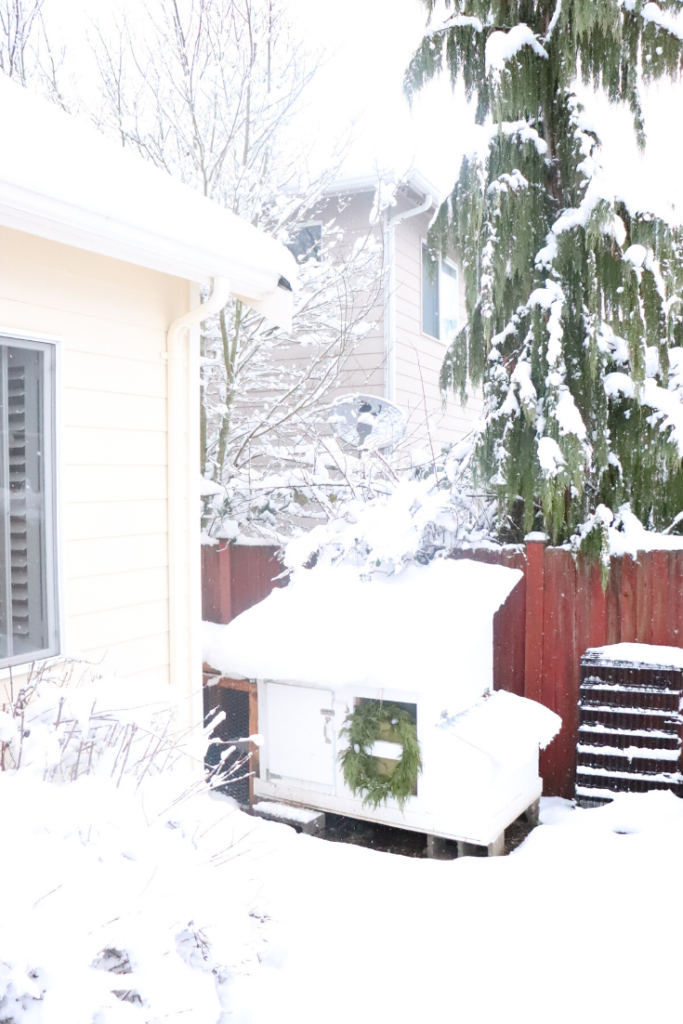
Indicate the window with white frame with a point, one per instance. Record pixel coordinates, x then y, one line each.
439 296
28 604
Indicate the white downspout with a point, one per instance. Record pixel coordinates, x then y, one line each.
183 540
389 311
390 292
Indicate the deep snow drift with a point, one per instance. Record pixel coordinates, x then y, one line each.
115 892
579 924
134 895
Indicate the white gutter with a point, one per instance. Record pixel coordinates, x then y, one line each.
62 180
183 506
390 292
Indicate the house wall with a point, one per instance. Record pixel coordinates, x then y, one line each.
365 369
112 318
418 356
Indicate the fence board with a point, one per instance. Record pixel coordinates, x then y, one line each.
550 766
613 602
597 635
629 594
644 598
675 605
586 606
509 625
659 595
216 591
535 591
567 693
254 569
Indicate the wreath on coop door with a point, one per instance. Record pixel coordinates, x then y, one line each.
365 773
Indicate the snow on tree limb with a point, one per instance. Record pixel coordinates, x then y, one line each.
573 288
502 47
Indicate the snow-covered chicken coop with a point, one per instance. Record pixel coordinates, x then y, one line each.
361 679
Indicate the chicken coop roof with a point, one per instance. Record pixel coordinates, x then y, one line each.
425 629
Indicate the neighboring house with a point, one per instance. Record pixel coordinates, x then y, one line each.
102 259
423 307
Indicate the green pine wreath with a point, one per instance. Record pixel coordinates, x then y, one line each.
362 772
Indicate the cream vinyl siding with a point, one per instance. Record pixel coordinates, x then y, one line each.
112 318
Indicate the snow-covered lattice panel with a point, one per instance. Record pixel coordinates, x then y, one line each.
629 721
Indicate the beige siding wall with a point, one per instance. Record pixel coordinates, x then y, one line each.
418 356
365 369
112 319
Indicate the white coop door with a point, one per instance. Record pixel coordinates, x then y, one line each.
300 733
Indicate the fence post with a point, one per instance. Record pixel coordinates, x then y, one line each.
533 651
216 582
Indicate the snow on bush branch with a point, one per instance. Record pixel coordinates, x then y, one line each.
114 909
397 519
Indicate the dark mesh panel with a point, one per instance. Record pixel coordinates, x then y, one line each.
628 707
235 726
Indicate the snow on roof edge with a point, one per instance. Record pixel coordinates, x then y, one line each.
329 627
368 182
62 180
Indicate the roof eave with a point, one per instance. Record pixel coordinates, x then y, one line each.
368 183
46 217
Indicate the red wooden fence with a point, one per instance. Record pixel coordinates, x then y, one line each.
568 611
553 615
235 577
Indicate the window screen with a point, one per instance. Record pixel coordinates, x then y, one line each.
449 302
27 577
430 293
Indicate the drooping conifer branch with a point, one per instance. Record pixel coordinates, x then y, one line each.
574 319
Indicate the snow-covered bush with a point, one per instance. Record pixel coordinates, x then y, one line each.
397 517
113 905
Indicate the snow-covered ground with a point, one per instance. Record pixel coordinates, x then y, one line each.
580 923
129 893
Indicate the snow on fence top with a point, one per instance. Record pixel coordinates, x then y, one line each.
638 654
61 179
427 629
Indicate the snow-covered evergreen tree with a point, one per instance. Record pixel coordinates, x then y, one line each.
575 322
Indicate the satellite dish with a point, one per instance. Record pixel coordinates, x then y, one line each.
365 421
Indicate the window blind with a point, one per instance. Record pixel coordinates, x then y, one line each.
27 594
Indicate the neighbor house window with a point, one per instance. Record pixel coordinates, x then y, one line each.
306 243
439 296
28 613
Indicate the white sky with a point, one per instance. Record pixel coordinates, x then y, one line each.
368 44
